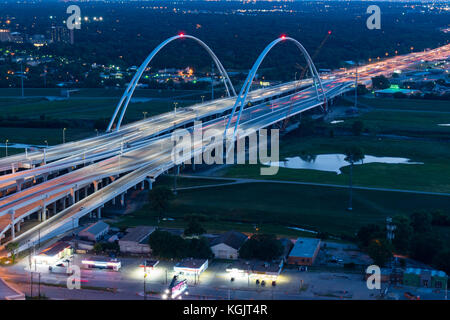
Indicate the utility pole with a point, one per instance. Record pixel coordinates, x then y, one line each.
356 86
21 76
177 171
212 81
31 283
64 135
350 208
39 286
145 276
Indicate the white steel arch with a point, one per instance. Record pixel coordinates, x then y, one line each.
242 97
126 97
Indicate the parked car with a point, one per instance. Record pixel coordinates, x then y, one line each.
410 296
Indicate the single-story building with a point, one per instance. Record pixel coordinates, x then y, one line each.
287 247
191 266
53 254
136 240
390 92
425 278
227 245
255 269
95 231
304 252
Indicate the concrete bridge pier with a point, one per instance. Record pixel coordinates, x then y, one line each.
13 235
122 199
19 183
63 203
99 213
43 212
150 182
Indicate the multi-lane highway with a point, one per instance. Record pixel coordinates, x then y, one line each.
142 150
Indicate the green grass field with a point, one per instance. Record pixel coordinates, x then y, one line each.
86 108
273 207
432 175
406 104
427 146
96 92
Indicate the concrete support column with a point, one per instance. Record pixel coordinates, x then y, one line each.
54 207
95 186
44 211
114 201
13 235
99 213
63 202
19 183
77 195
142 185
72 197
18 226
122 199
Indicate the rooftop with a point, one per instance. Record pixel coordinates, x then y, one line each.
96 228
418 271
304 247
231 238
138 234
55 248
191 263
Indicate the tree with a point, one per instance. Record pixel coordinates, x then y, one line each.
261 246
159 199
442 260
194 228
98 248
403 233
12 248
380 82
357 127
361 90
368 233
166 245
352 155
421 222
425 246
380 251
199 248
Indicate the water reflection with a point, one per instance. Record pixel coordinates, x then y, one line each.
334 162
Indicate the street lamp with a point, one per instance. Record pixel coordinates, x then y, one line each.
96 132
145 276
203 99
46 142
64 135
6 147
145 114
175 105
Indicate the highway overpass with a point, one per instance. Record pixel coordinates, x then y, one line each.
78 178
